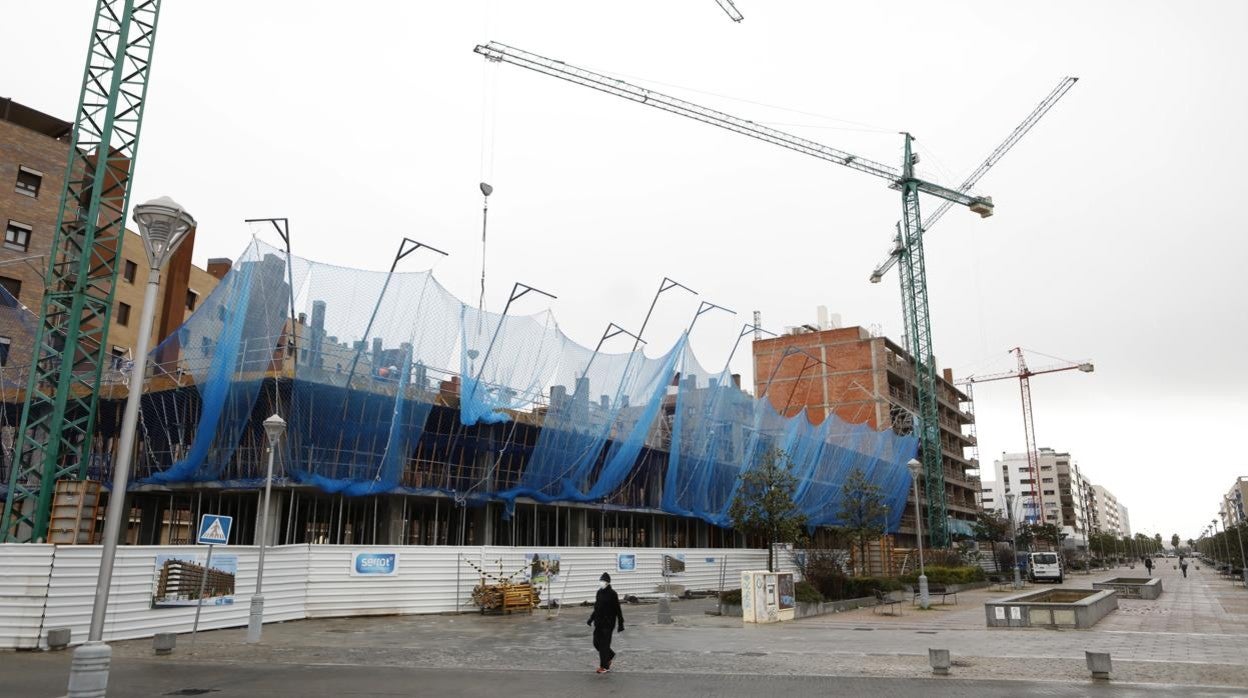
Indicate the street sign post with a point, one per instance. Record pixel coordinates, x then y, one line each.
214 529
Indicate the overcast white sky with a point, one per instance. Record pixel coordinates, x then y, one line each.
1116 236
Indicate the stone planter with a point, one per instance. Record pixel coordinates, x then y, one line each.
1147 588
1058 608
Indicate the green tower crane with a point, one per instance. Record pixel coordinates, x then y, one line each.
910 234
71 340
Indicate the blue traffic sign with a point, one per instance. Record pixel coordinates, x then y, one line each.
214 529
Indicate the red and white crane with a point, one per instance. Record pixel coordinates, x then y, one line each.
1023 373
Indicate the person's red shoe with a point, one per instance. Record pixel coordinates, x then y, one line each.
600 670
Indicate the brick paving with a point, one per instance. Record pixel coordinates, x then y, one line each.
1196 634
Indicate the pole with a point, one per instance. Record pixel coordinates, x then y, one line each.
924 601
1018 582
121 467
1243 561
199 602
255 620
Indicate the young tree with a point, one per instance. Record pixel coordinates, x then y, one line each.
764 506
1048 533
862 512
1175 540
991 527
1157 540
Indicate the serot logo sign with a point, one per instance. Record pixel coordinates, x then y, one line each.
374 564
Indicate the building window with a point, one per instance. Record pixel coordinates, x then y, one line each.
28 181
5 345
1046 467
192 298
13 286
123 314
17 236
130 271
1049 492
1046 479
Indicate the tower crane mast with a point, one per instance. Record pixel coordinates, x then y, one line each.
71 347
910 234
1024 375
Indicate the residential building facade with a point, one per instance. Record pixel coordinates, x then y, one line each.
34 151
863 378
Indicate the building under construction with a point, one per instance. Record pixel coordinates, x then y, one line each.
854 375
415 418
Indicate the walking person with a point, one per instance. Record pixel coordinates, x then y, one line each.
1183 567
1148 563
607 617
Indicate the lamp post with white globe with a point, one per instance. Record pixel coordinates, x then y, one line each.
274 427
915 468
164 224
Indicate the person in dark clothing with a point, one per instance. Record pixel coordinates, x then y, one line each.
1148 563
605 619
1183 566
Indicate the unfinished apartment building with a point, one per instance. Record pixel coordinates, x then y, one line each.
861 377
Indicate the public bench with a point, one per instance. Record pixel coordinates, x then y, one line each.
934 590
884 600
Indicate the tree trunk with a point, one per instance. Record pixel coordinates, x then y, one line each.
771 553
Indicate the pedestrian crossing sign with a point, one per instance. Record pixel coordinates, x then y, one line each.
214 529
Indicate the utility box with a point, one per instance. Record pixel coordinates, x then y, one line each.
766 597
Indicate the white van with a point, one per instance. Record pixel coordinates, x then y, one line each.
1045 566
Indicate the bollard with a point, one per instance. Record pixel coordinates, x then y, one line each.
1099 664
88 670
939 659
163 643
58 638
665 611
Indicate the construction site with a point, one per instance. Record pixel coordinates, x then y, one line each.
412 417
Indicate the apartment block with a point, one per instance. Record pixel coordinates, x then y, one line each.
864 378
1058 489
34 152
1235 503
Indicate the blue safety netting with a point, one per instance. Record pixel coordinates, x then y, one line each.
372 354
225 349
718 432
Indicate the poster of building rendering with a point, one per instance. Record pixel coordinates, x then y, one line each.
180 576
543 568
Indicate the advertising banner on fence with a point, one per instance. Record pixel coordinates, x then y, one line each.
543 568
180 576
374 564
626 562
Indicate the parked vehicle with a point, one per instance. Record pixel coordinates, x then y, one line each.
1046 566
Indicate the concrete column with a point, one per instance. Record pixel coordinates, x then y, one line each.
578 528
483 523
150 521
276 521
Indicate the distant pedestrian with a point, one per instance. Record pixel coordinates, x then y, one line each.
1148 563
605 619
1183 566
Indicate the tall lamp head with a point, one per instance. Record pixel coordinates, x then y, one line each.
164 224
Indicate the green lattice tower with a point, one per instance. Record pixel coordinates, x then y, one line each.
71 341
919 333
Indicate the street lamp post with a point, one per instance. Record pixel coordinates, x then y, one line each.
164 225
1239 533
1009 504
915 468
274 426
1213 525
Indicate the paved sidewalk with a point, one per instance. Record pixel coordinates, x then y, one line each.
1195 635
